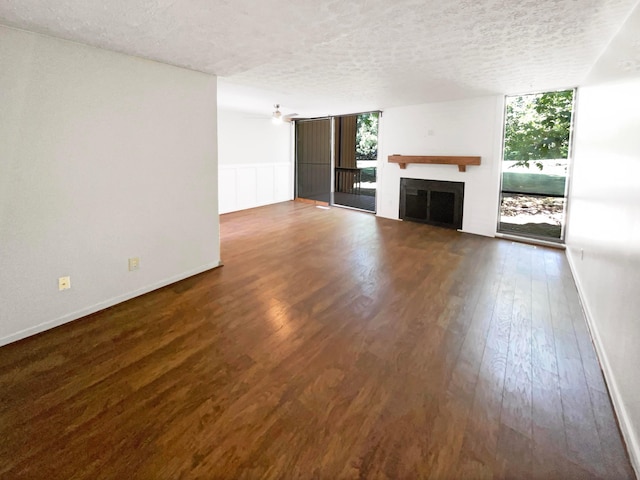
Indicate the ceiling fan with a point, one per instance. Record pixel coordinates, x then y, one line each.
278 117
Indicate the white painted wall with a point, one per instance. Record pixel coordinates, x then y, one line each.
255 160
466 127
604 223
102 157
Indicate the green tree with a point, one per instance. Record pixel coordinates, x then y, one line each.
538 127
367 135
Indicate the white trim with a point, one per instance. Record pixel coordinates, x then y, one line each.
628 432
227 166
27 332
249 185
472 231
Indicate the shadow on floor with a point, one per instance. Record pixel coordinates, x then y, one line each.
361 202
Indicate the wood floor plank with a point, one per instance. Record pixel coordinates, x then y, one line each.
331 344
516 398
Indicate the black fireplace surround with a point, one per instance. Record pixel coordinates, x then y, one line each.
435 202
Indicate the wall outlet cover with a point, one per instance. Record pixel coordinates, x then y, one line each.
134 263
64 283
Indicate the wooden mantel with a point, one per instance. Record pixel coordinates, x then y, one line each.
462 162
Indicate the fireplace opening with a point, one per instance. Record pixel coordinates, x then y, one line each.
434 202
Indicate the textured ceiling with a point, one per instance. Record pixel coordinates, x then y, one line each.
337 56
622 58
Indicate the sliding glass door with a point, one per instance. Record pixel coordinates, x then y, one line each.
336 160
356 158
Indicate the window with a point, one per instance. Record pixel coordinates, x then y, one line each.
537 141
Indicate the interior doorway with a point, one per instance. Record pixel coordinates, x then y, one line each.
536 162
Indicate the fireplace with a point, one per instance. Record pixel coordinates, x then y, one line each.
434 202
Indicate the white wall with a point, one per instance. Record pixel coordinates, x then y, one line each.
255 160
102 157
604 224
466 127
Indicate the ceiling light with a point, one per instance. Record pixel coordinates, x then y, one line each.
277 115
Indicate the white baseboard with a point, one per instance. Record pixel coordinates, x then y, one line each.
477 232
27 332
628 432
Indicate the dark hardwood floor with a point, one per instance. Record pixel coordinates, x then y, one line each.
331 345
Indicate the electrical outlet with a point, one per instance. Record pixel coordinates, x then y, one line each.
134 263
64 283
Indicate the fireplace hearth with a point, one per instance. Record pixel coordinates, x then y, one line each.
435 202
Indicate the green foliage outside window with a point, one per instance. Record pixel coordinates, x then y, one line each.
367 136
538 127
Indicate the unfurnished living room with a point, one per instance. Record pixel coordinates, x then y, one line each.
319 239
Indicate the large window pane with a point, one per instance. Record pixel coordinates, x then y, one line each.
536 160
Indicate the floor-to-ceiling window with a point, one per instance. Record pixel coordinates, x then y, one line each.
536 157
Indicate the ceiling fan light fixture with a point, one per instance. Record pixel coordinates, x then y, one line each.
277 115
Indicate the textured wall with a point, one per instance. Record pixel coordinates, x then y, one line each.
102 157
